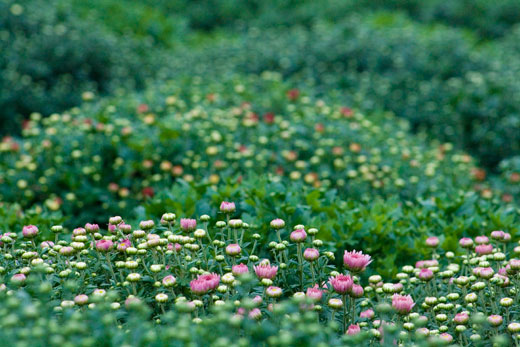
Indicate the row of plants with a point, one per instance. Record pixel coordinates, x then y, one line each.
435 77
114 153
185 280
51 56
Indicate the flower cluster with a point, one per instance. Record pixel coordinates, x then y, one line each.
172 267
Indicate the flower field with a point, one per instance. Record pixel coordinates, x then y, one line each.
260 173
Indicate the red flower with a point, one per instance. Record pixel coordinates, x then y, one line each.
293 94
148 192
269 117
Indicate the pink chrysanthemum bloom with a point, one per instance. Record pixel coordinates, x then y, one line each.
274 292
461 318
369 314
188 224
233 249
498 235
277 224
91 228
341 284
353 329
255 314
125 228
227 207
466 242
311 254
403 304
446 337
81 299
356 261
495 320
47 244
486 272
432 241
30 231
258 300
123 245
299 235
169 281
514 264
265 270
357 291
484 249
204 283
481 239
18 278
239 269
314 293
79 231
104 245
425 274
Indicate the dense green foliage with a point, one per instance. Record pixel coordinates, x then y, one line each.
110 155
49 58
284 135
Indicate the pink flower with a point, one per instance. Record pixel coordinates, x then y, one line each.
125 228
169 281
273 292
233 250
425 274
81 299
432 241
446 337
239 269
481 239
104 245
204 283
277 223
402 303
123 245
257 300
486 272
47 244
515 264
227 207
367 314
188 224
315 293
311 254
466 242
341 283
484 249
356 261
397 287
299 235
91 228
356 291
79 231
30 231
18 278
255 314
498 235
461 318
265 270
495 320
353 329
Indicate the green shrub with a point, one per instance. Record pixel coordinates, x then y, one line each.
114 153
49 58
432 76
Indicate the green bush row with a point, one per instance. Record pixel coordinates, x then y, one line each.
117 152
435 77
50 57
